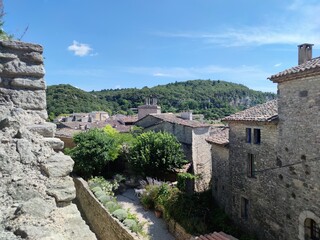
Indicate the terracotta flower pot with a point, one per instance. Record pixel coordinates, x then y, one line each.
158 213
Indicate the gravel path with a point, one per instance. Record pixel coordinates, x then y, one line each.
155 227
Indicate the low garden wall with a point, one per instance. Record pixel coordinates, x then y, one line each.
98 218
177 231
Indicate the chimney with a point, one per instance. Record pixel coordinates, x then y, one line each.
186 115
305 53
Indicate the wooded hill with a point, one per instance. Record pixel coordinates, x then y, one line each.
214 99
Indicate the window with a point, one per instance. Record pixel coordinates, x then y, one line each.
244 208
248 135
312 230
250 165
257 136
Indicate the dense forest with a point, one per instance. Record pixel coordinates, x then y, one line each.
213 98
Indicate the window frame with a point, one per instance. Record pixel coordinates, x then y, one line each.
244 211
257 136
251 165
248 135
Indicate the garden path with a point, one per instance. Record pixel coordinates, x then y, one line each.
155 227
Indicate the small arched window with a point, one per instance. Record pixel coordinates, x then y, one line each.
311 230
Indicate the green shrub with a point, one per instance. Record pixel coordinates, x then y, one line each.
148 198
99 194
92 185
96 189
183 179
120 214
94 149
105 198
112 206
107 186
130 223
155 153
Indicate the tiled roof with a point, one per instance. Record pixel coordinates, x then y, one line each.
216 236
130 119
169 117
99 124
219 136
263 112
66 132
309 66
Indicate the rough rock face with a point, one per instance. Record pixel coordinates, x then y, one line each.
36 191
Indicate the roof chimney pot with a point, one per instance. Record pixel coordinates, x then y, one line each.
305 53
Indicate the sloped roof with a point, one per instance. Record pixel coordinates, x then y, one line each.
66 132
169 117
260 113
216 236
310 67
219 136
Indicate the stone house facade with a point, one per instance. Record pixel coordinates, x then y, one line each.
192 135
298 146
219 141
274 155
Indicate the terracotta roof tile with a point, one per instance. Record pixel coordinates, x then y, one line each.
219 136
313 64
260 113
66 132
169 117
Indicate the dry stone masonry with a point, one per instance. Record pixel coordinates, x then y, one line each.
36 191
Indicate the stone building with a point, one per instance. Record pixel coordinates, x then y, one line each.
298 148
192 135
274 149
219 140
252 143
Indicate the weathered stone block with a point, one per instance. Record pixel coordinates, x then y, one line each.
33 57
62 189
44 129
58 165
17 68
36 207
55 143
8 56
38 84
31 100
24 148
22 46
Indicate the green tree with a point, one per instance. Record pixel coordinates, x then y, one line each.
3 34
94 149
154 153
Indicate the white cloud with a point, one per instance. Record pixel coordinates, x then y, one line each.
298 23
80 49
278 65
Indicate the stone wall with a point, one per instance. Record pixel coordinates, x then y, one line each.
36 191
299 147
261 191
102 223
201 158
177 231
22 72
220 176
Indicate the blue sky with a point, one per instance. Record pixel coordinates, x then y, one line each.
103 44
